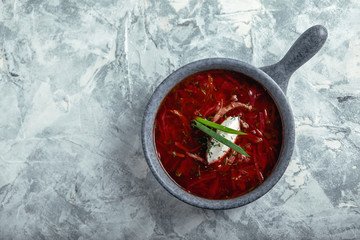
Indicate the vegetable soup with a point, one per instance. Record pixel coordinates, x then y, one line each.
218 96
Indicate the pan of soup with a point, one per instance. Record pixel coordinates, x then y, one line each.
219 133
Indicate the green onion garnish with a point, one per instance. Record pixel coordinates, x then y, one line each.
220 138
218 126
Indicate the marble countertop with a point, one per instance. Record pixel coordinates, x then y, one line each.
75 77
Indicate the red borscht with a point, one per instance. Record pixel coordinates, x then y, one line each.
182 148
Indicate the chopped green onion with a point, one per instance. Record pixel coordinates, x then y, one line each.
218 126
220 138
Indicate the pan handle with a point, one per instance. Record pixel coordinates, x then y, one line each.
305 47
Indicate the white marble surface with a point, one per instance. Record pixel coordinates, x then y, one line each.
74 80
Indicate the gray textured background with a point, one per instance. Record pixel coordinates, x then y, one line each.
74 80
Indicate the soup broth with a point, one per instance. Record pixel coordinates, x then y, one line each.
182 148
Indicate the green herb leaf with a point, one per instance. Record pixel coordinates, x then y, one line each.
220 138
218 126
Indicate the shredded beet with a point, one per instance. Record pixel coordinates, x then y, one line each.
216 95
196 157
228 108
